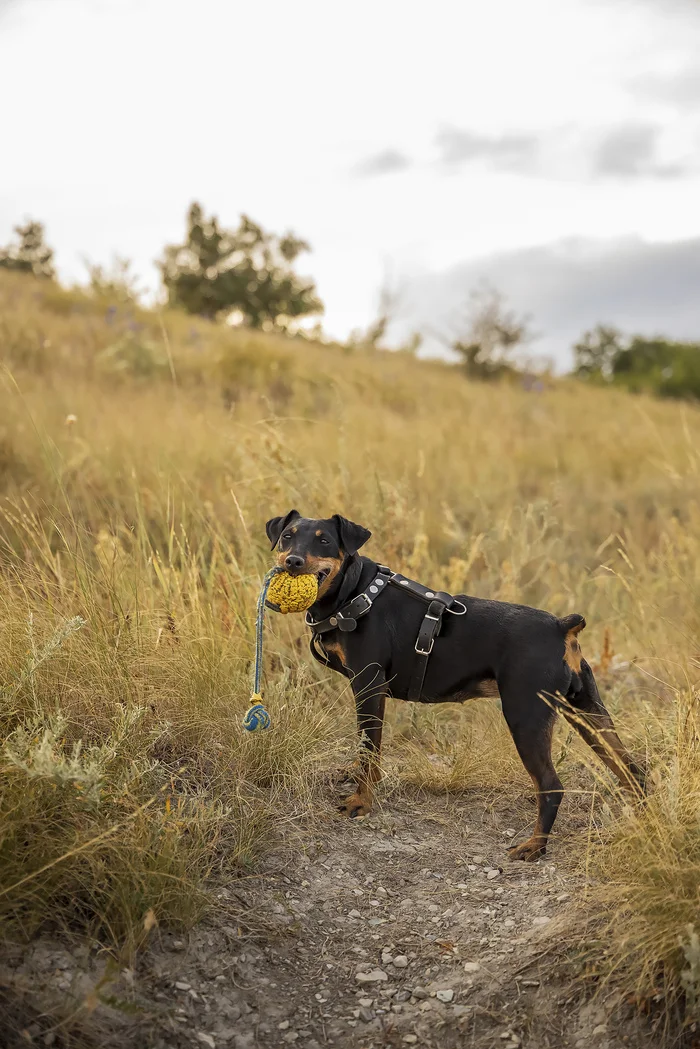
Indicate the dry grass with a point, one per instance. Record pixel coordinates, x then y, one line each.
127 783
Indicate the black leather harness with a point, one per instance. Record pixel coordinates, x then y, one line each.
345 619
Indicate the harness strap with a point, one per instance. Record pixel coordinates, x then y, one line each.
318 651
429 630
345 618
423 593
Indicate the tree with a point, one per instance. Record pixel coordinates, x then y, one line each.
488 335
244 274
115 282
29 254
654 365
597 351
660 366
373 337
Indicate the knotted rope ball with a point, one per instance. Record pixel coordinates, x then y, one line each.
292 593
257 717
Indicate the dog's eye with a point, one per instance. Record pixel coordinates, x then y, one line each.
324 541
287 536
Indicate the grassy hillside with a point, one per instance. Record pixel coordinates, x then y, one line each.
140 455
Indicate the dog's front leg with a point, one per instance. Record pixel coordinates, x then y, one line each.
369 689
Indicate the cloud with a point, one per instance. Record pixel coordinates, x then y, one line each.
680 89
570 286
630 151
457 146
624 151
386 162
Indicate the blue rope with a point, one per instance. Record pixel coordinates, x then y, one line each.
257 717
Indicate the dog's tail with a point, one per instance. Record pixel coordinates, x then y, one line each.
572 624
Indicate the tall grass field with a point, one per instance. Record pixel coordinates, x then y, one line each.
141 454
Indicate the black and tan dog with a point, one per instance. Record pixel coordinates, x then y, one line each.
496 649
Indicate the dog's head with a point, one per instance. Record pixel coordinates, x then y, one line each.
315 547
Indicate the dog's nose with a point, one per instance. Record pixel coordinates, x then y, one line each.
294 562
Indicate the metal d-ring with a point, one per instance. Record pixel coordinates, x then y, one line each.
464 608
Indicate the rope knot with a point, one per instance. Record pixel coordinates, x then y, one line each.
255 718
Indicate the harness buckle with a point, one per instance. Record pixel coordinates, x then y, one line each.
424 651
366 609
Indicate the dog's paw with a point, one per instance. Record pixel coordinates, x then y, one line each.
356 805
346 774
529 850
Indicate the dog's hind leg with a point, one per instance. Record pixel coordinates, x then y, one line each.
369 689
531 722
586 711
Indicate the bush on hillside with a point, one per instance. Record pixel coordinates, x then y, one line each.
29 253
247 274
651 365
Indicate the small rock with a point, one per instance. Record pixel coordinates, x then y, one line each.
541 920
206 1039
366 1002
366 1015
402 996
471 967
284 1026
182 986
478 859
374 976
600 1029
354 914
492 874
411 1039
400 961
178 945
445 996
420 992
510 833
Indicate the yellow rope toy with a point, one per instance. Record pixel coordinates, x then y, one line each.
292 593
283 593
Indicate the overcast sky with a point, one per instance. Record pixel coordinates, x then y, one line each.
552 146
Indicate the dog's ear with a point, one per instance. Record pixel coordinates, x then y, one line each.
352 536
276 525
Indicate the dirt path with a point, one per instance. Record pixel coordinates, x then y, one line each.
409 927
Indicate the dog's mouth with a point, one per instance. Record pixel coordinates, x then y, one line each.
321 575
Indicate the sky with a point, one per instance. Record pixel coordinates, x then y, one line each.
550 148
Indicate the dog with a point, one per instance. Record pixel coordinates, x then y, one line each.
528 658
